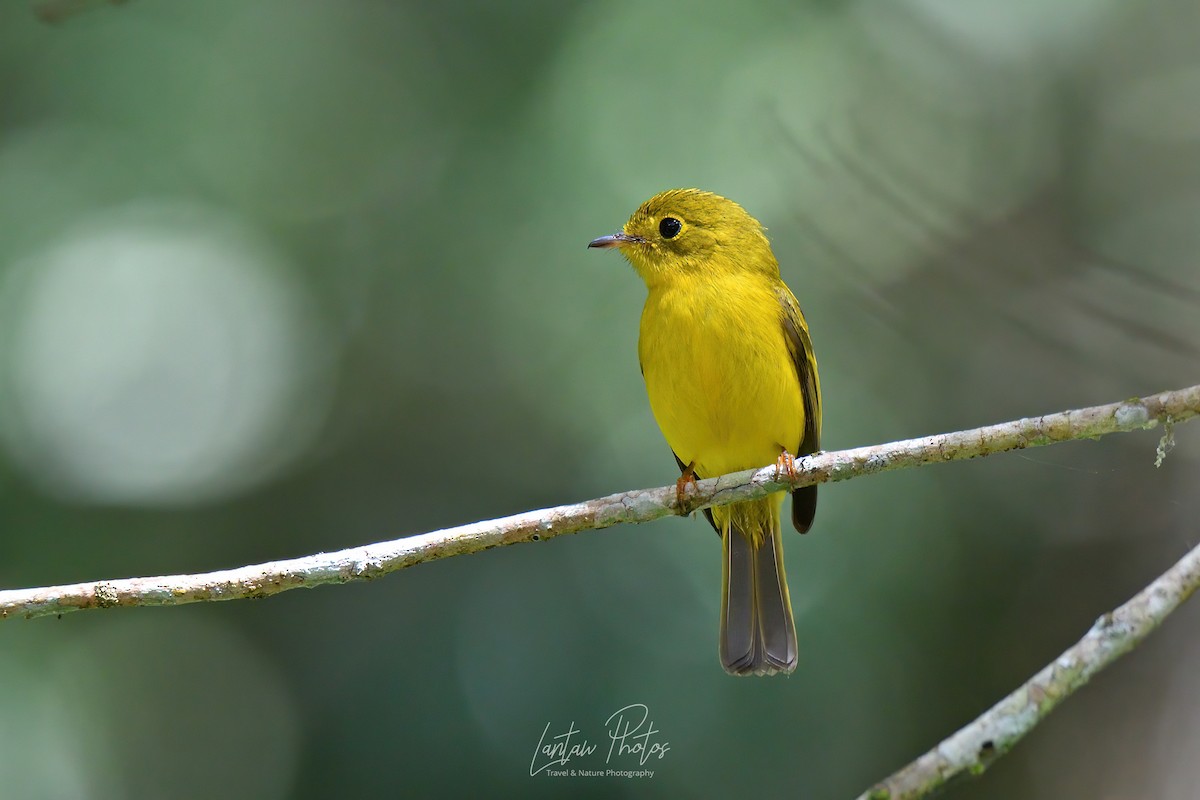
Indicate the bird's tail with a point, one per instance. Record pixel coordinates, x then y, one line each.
758 633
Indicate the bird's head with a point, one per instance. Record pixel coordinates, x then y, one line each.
687 231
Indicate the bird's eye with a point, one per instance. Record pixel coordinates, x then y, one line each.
670 227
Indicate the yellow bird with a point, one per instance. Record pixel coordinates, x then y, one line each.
732 382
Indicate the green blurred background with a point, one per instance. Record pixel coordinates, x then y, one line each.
284 277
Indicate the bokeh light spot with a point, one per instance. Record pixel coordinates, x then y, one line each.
156 356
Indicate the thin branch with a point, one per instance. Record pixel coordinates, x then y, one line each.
375 560
993 734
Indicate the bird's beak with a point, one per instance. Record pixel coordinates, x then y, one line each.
616 240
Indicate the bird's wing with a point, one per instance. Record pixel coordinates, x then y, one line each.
799 344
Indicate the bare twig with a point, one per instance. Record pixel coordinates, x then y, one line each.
973 748
374 560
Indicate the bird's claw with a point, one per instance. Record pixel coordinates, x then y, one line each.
688 476
786 465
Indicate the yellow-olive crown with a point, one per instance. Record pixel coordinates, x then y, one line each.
688 230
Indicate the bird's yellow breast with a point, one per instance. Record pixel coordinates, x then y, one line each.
721 381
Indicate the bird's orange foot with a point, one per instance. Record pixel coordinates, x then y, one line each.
688 476
785 465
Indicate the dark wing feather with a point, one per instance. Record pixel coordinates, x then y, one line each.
795 332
